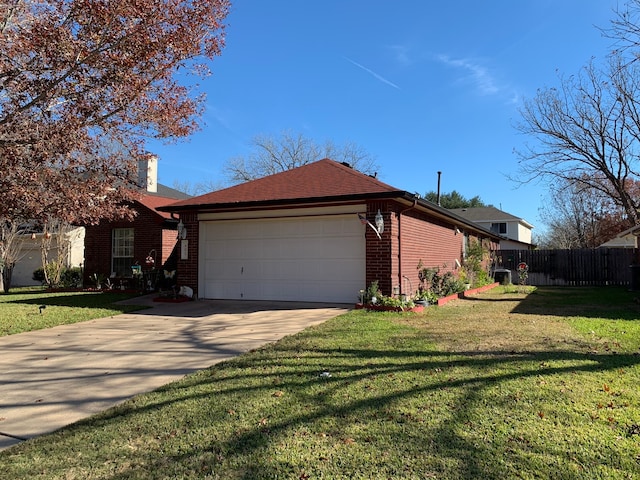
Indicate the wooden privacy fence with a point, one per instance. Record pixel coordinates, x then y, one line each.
580 267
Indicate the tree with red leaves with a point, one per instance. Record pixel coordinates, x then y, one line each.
83 85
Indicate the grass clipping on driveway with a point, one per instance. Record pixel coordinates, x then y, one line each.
542 384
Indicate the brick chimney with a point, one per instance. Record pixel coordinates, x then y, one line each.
148 173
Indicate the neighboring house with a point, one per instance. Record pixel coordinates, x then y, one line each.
30 257
516 231
302 235
625 239
113 248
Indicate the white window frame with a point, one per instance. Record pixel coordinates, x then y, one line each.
122 241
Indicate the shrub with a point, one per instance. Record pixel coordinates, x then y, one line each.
69 277
476 263
433 285
38 275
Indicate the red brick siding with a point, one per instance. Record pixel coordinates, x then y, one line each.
379 252
431 241
418 237
168 243
409 237
188 269
148 236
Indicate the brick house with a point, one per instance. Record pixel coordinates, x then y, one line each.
302 235
112 248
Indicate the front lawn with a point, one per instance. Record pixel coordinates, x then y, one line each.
541 384
20 310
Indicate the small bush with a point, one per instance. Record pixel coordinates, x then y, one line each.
69 278
38 275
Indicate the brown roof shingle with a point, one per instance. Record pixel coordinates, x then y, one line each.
153 203
318 180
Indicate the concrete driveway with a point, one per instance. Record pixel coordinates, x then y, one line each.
51 378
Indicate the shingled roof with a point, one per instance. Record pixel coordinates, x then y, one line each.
154 202
322 180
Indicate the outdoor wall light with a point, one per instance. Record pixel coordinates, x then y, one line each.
182 230
379 222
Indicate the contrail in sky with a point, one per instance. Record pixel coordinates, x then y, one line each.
374 74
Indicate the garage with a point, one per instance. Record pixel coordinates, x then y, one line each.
306 258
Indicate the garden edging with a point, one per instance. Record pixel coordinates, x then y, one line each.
466 293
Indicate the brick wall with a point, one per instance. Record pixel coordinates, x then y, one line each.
149 238
431 241
169 242
409 236
188 269
379 252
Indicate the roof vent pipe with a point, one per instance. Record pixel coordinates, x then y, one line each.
438 197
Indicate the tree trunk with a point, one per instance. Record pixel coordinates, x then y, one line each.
5 278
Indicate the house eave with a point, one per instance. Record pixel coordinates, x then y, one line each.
262 204
444 214
403 197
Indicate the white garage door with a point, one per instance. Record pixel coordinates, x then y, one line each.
319 259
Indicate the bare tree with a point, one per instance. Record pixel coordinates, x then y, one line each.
625 29
277 154
579 217
10 249
197 188
56 239
588 132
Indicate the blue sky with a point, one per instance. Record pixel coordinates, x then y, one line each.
423 86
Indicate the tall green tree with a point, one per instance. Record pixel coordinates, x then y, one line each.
454 199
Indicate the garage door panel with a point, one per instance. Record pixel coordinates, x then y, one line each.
309 259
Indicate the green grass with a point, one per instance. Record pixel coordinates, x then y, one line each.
541 384
20 309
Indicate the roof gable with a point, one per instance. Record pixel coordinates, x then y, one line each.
168 192
488 214
153 202
322 179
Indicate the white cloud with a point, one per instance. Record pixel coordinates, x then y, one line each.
372 73
477 73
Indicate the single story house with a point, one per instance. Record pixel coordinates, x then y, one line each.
625 239
30 255
114 248
320 232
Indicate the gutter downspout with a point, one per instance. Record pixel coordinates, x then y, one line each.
415 203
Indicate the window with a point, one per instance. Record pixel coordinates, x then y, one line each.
122 251
500 228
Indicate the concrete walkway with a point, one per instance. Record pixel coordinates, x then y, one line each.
51 378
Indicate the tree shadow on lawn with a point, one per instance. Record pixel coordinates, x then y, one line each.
465 375
614 303
79 300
